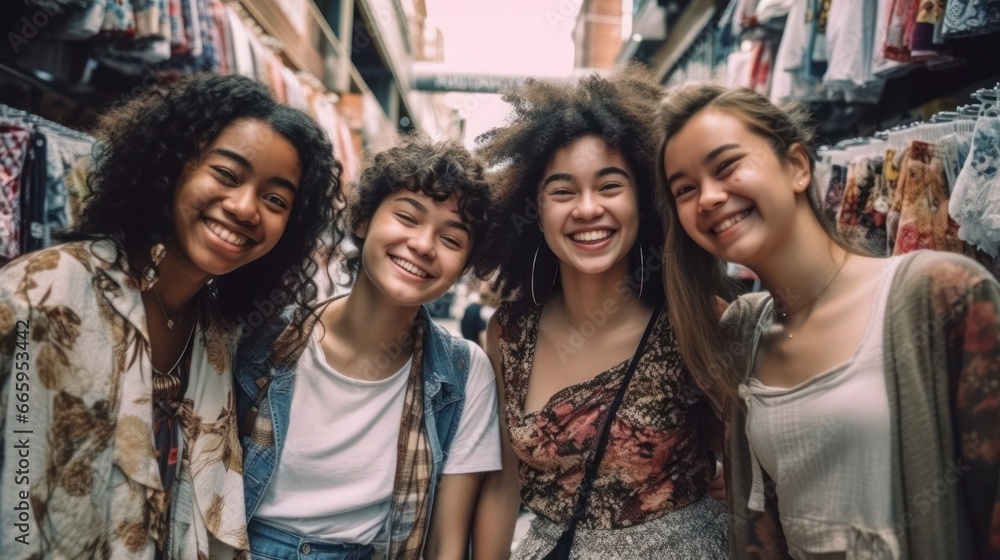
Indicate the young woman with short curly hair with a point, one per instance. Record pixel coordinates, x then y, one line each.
368 432
577 255
116 347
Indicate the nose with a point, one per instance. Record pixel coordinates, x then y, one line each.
711 195
242 205
588 207
422 242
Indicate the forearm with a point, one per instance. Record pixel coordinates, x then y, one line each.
496 515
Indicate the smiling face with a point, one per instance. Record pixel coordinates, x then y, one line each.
232 204
589 212
734 196
415 248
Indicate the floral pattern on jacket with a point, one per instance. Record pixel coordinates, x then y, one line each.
76 377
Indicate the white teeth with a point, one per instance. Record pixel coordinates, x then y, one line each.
731 222
592 235
227 235
410 267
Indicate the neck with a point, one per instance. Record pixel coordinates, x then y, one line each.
369 325
178 282
797 271
583 295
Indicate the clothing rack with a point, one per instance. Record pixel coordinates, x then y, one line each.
7 112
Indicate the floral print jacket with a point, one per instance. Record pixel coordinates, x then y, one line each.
79 474
942 367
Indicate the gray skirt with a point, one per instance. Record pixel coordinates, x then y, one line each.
697 532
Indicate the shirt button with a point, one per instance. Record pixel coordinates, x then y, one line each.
306 549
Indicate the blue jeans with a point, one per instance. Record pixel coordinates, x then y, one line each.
268 543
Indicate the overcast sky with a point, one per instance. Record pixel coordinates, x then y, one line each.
520 37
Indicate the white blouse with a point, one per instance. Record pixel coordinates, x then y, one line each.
826 445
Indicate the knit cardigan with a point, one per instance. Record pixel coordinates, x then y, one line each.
941 339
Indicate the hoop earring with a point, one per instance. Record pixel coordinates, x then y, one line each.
642 270
534 262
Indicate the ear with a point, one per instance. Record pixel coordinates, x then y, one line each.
361 231
799 165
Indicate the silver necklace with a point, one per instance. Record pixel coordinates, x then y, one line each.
811 302
170 320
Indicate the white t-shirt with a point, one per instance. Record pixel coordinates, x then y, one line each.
335 475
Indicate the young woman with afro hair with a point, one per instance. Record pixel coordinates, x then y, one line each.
116 347
577 258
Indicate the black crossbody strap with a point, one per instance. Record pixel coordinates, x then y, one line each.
590 472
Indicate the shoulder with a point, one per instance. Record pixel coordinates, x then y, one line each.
942 278
743 312
509 317
63 273
480 367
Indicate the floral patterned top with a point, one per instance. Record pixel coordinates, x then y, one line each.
656 460
80 477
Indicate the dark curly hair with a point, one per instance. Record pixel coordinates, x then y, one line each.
547 116
143 148
440 170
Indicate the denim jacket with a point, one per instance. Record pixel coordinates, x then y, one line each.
259 360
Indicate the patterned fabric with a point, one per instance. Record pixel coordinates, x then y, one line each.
655 462
698 531
942 367
921 198
902 20
929 14
119 20
62 153
975 204
964 18
95 487
858 221
410 509
835 192
14 144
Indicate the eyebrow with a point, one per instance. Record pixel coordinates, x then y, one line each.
419 206
711 155
612 170
557 177
247 166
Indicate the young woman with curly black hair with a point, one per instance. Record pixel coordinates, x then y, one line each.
577 255
369 432
116 347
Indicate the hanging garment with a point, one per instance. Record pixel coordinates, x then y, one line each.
902 19
835 192
789 80
81 22
857 221
15 143
964 18
921 198
63 151
239 43
929 15
293 90
147 15
118 19
192 27
223 34
975 204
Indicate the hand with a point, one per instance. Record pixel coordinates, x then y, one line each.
717 486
